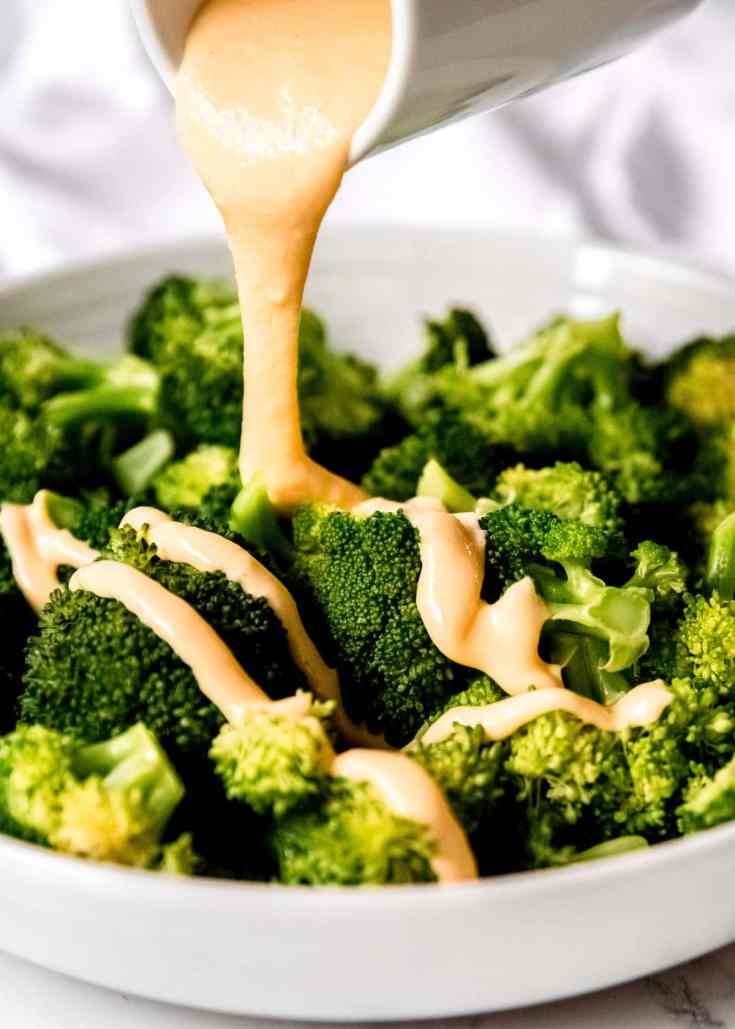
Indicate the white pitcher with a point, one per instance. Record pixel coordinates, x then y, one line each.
454 58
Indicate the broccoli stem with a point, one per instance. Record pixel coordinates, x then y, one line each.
136 467
68 410
611 848
64 512
436 482
253 516
721 561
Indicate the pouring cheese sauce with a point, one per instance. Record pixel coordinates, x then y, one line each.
269 96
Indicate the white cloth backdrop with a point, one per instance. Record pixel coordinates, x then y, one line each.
641 152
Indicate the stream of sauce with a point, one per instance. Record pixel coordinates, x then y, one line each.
268 98
38 548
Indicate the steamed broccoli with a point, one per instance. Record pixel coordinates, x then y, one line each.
567 490
458 341
709 800
460 444
274 761
659 570
94 669
466 765
186 482
521 541
351 839
110 801
699 379
362 575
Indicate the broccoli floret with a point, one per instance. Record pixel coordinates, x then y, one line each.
186 482
110 801
710 800
33 368
460 444
521 541
567 490
468 769
652 455
93 668
274 762
699 379
459 341
362 575
36 454
659 570
580 783
705 643
351 839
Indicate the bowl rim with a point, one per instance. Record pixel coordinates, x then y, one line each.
167 890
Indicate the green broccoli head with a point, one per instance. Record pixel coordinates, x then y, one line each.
699 379
709 800
33 368
110 801
459 443
459 341
351 839
521 541
93 669
186 482
704 642
274 761
567 490
362 575
660 570
466 765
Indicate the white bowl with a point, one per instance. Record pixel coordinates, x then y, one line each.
397 952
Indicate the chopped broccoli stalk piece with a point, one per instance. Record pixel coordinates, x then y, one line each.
127 389
611 848
186 483
709 801
351 839
137 467
583 659
110 801
720 573
255 519
274 762
436 482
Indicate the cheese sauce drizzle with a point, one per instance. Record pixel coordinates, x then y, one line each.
269 95
405 788
641 706
500 639
410 792
38 548
209 552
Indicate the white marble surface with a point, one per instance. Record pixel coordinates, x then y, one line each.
698 995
